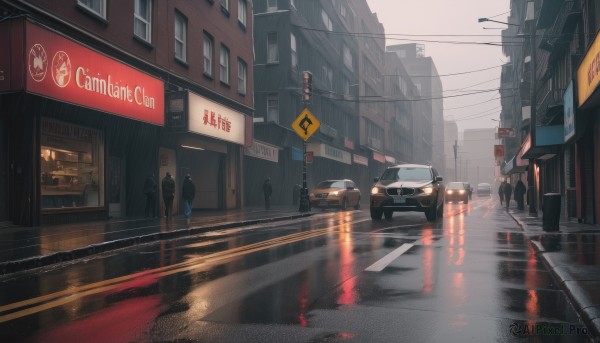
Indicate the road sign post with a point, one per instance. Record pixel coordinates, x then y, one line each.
305 126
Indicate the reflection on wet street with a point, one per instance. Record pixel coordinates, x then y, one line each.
473 276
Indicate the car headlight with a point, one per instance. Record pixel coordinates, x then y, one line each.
335 193
376 190
427 190
449 191
311 194
461 191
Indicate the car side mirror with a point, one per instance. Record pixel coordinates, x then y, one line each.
350 188
376 179
439 179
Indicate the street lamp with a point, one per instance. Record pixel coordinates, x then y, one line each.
532 124
483 20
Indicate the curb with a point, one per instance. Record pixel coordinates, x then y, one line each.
593 324
94 249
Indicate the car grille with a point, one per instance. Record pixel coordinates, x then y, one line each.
401 191
321 195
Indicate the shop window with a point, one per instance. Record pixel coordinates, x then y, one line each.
71 166
271 5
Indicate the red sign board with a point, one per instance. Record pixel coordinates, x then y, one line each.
506 132
498 150
62 69
378 157
309 157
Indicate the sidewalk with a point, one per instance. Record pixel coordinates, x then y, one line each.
572 254
23 248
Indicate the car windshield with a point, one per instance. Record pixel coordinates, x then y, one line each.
455 185
407 174
331 184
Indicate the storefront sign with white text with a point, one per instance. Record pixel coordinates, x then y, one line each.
62 69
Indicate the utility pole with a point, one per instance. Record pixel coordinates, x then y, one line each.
532 125
455 153
306 99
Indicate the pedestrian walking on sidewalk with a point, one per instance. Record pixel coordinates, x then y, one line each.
267 191
507 193
168 193
501 192
150 192
188 193
520 191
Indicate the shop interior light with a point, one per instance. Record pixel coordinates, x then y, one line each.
192 147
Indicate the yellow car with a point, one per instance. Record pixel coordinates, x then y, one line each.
335 193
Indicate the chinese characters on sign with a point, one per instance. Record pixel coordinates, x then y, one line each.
216 120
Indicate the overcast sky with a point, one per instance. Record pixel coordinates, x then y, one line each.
459 17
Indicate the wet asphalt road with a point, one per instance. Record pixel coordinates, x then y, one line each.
471 277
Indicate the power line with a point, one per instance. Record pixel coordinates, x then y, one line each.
479 103
453 74
477 84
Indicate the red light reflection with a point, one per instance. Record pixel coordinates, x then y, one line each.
348 295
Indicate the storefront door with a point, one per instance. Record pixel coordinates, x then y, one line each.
116 186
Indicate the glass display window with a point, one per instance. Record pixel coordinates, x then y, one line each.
71 166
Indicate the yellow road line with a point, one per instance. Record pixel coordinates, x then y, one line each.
69 295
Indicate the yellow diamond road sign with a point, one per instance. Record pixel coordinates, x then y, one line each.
306 124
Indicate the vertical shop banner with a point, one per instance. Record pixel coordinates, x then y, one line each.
62 69
498 151
569 108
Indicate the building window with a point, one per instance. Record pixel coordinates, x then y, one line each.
348 58
95 6
142 19
224 62
225 5
180 37
271 5
327 76
72 166
326 20
242 76
209 52
273 107
272 48
294 51
242 12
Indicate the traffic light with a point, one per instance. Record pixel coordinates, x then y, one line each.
306 87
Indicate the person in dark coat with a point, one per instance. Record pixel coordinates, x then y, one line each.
507 193
520 191
150 192
168 193
267 191
501 192
188 193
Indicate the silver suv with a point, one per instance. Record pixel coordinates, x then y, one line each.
408 187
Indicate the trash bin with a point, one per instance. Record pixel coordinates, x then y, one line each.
551 209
